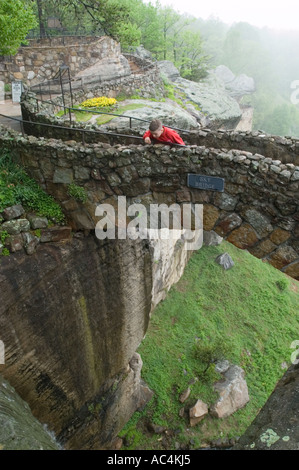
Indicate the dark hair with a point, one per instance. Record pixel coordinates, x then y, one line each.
155 125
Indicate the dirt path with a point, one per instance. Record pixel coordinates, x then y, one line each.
8 108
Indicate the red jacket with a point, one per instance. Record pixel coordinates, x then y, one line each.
168 136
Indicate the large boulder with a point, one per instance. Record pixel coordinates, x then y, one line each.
168 70
233 391
19 429
237 86
169 112
213 100
108 68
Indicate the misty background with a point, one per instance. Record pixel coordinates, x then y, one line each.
270 57
195 46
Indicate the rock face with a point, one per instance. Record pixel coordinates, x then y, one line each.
170 113
209 95
107 68
168 69
18 427
71 318
277 425
237 86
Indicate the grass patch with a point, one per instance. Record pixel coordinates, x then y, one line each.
120 110
16 187
249 313
82 116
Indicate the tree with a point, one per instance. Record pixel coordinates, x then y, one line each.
189 56
146 19
16 19
169 18
110 17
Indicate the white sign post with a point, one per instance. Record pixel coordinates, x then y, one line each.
2 92
17 88
2 352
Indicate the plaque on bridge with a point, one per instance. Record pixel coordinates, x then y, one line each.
211 183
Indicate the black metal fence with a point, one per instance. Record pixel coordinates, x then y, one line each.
69 109
78 134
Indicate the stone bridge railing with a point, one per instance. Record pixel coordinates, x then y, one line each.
285 149
258 209
37 113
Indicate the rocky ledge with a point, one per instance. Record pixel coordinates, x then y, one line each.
24 231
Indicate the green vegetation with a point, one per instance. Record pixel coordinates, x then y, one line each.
17 188
120 111
83 116
161 30
248 314
266 56
194 45
80 116
107 17
77 192
16 19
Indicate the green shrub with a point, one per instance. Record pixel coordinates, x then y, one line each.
3 236
208 354
77 192
16 187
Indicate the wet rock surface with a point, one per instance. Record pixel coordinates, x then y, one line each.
276 427
19 429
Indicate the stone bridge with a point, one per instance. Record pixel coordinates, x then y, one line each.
73 314
257 211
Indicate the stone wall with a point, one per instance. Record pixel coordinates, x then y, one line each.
284 149
41 59
257 211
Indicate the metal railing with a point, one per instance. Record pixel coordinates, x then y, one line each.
78 130
69 109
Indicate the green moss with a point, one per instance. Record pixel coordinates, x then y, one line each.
5 252
120 111
3 236
16 187
77 192
88 343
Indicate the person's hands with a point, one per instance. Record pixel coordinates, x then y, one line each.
147 140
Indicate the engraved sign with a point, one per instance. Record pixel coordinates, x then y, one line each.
16 88
211 183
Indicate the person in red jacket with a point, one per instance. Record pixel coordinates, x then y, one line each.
161 134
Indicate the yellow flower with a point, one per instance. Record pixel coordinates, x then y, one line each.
100 102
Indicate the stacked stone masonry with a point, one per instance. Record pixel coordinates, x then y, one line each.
25 231
39 62
40 117
41 59
257 211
